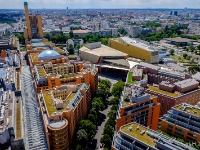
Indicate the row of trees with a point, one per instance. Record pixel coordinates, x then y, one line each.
87 128
172 32
109 127
21 38
89 38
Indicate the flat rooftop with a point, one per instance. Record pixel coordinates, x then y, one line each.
138 44
103 51
41 71
186 83
144 138
156 89
190 109
47 95
57 124
180 40
149 65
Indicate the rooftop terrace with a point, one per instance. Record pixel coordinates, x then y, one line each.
34 57
41 71
131 130
156 89
50 105
190 109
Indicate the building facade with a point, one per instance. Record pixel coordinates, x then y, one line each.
33 24
134 136
137 106
182 121
135 49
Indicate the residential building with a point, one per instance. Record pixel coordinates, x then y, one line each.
170 86
135 136
135 49
182 121
137 106
62 109
33 25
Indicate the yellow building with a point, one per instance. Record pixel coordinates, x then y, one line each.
33 23
135 49
62 109
182 121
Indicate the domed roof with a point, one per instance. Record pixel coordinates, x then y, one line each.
49 55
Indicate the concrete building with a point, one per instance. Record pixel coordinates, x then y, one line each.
135 136
62 109
172 87
135 49
180 41
182 121
137 106
33 25
8 42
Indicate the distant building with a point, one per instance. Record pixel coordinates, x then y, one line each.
33 24
135 49
182 121
180 41
174 13
134 136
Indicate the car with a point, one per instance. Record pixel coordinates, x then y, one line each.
101 145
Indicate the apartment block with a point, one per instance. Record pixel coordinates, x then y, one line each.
137 106
62 109
170 86
134 136
182 121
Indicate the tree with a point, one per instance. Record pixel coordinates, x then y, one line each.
82 137
192 48
185 55
97 104
106 140
105 82
77 47
71 34
117 88
108 130
71 49
122 31
171 52
198 47
112 114
104 41
92 118
114 100
114 107
103 91
88 126
47 35
79 147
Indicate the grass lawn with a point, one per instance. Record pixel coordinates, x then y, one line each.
130 81
180 59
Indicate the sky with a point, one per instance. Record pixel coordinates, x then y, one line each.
73 4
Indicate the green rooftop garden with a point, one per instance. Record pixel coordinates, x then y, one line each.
18 80
156 89
130 81
41 71
18 121
136 133
50 105
191 110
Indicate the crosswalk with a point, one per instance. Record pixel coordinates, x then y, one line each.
33 127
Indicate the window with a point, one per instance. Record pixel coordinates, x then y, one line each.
170 126
179 130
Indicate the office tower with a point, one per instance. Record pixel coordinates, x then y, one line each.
182 121
33 23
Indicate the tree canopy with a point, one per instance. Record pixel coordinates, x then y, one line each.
117 88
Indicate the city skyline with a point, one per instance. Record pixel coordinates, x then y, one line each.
87 4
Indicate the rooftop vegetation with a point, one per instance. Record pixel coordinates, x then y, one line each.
156 89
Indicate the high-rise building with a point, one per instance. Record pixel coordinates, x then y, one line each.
134 136
182 121
33 24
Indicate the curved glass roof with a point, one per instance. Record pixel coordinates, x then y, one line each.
49 55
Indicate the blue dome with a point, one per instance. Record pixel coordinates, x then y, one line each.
49 55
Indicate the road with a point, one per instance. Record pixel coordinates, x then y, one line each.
101 126
104 113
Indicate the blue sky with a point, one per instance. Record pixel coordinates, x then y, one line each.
9 4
